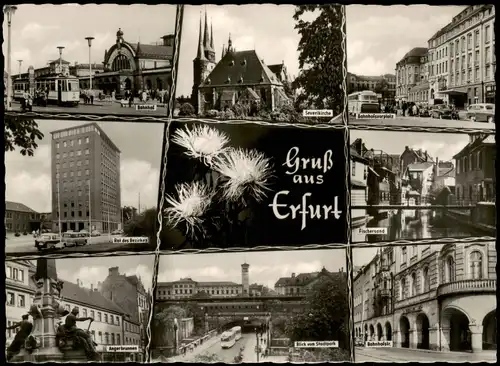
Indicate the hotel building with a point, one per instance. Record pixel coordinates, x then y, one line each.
85 180
438 297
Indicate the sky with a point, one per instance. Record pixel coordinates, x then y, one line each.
362 256
37 30
269 29
28 181
265 267
379 36
92 270
438 145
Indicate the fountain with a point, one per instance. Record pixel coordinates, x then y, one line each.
45 342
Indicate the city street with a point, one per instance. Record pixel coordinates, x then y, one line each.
25 245
99 108
413 355
424 122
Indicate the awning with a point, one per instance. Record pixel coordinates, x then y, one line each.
358 183
413 193
452 92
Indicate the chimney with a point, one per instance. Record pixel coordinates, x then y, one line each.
99 286
406 148
91 287
78 282
293 275
113 271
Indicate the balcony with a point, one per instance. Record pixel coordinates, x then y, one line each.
415 299
385 292
467 286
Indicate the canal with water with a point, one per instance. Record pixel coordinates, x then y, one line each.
415 225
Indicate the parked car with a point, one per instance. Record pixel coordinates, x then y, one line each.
481 112
72 239
117 232
85 232
442 111
47 241
424 112
358 342
96 233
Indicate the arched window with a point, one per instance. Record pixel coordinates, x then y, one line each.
425 280
402 289
450 269
120 62
476 265
413 290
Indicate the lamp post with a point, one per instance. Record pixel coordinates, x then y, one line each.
257 345
175 336
60 48
9 11
89 40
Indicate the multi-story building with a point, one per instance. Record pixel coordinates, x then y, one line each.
435 294
467 46
302 283
129 293
410 71
107 327
85 180
20 218
19 292
383 84
359 188
475 174
131 331
416 183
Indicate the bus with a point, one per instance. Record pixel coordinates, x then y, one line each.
363 102
62 90
228 339
237 333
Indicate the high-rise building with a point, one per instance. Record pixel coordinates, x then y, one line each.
85 180
466 58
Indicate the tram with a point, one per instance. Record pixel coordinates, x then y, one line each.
62 90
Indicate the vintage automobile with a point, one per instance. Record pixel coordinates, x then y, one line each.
481 112
72 239
47 241
442 111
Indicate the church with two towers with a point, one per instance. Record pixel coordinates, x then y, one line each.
240 77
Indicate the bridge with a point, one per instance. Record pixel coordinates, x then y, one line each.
240 299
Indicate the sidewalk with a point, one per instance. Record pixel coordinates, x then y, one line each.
189 356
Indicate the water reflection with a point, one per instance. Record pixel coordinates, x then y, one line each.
414 225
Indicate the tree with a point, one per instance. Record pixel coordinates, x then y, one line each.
22 132
382 87
187 110
128 213
321 58
163 323
328 313
145 224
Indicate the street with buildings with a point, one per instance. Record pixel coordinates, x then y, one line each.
433 302
117 303
123 76
455 68
193 316
414 193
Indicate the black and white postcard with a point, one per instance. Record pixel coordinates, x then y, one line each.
288 306
248 185
425 303
78 310
280 63
80 187
412 185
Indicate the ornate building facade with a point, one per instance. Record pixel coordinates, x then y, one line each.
440 297
240 77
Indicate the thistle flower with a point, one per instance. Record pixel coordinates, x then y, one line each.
190 206
247 171
201 142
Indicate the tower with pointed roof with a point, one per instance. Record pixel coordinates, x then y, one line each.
204 62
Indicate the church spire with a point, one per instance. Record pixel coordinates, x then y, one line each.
206 38
201 52
212 35
229 44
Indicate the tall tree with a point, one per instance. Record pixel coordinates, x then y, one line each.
128 213
21 132
321 57
163 323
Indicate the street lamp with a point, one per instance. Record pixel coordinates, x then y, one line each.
175 335
89 40
257 346
9 11
61 48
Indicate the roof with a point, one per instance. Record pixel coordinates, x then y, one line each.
277 69
94 299
482 140
356 156
18 207
59 61
95 65
241 67
420 166
152 51
201 284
